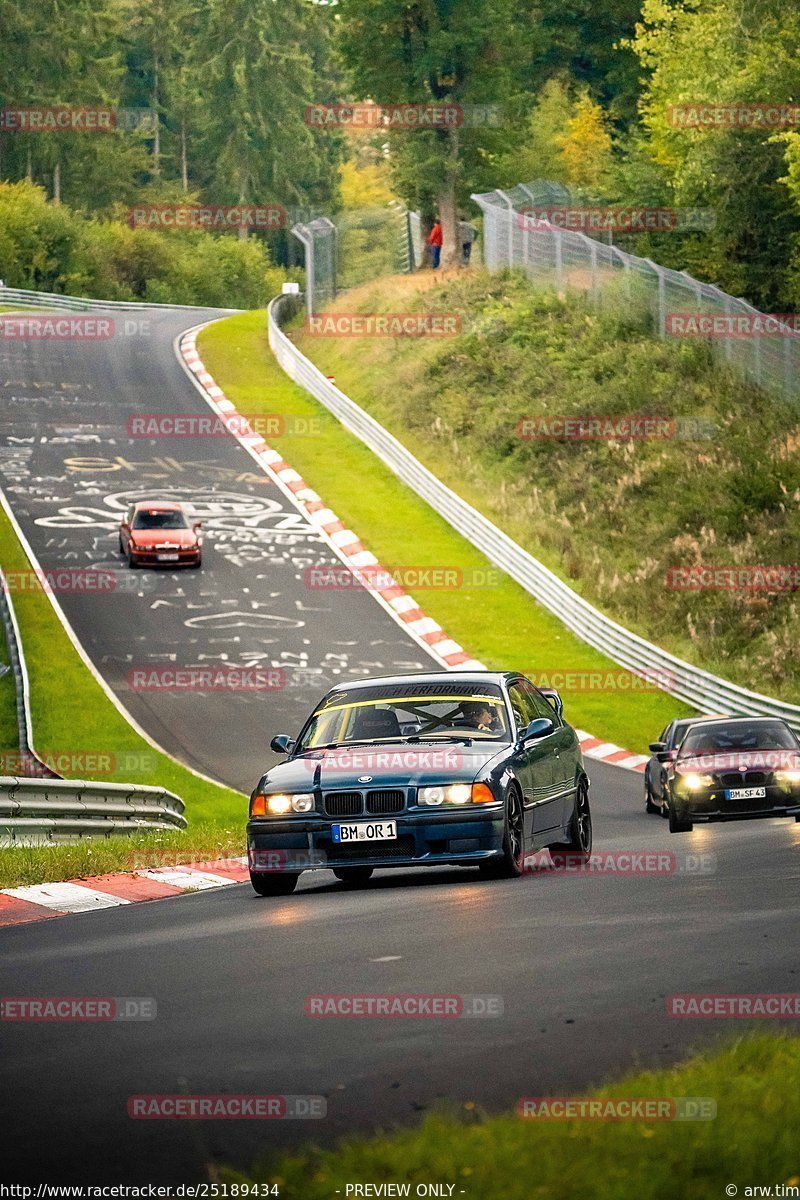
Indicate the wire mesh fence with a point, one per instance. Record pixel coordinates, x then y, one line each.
765 348
362 245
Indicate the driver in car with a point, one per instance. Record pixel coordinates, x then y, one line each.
478 715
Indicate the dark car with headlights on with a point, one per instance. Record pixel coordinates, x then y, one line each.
450 767
655 771
160 533
734 769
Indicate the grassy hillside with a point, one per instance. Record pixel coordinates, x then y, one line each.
610 517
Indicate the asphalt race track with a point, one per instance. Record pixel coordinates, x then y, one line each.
583 963
69 467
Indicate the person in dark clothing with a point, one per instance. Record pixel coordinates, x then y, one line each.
466 236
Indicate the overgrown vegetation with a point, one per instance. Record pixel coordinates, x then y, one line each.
49 248
612 517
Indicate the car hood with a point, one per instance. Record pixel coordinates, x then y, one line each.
164 537
395 764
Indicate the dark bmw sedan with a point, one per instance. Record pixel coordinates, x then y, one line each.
464 768
732 769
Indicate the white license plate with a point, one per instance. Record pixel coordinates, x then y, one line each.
375 831
167 557
751 793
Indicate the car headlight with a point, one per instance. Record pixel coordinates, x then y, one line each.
280 803
787 777
694 782
454 793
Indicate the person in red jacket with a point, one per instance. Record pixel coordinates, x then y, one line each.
435 242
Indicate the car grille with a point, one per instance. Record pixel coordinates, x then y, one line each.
343 804
402 847
732 779
354 804
385 802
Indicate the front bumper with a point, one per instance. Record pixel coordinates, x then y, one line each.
711 805
423 839
149 558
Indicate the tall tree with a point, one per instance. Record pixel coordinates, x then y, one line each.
258 78
444 52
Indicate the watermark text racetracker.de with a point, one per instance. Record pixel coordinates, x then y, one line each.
66 118
196 425
626 427
206 679
704 114
264 218
731 325
71 327
401 1005
76 763
736 577
77 1008
736 1005
617 1108
70 581
225 1107
335 577
394 324
533 218
621 862
404 117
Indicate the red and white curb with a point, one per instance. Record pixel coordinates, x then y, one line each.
40 901
352 551
343 541
594 747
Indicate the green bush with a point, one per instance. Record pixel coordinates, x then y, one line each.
48 247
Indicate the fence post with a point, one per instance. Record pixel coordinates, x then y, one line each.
302 233
510 204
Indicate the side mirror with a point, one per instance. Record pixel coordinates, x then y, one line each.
664 756
281 744
552 697
656 746
197 525
542 727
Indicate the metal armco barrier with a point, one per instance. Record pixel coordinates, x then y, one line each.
82 304
33 811
48 808
8 618
701 689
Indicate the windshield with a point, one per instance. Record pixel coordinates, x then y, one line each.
739 735
407 711
165 518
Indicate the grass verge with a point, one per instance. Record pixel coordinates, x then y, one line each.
72 714
501 625
202 842
754 1139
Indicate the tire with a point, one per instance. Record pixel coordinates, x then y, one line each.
131 563
121 547
353 877
676 824
266 884
512 863
649 806
579 845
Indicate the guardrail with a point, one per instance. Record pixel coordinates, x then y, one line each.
47 808
699 688
29 299
8 618
60 810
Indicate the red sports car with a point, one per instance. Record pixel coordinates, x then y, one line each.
160 533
